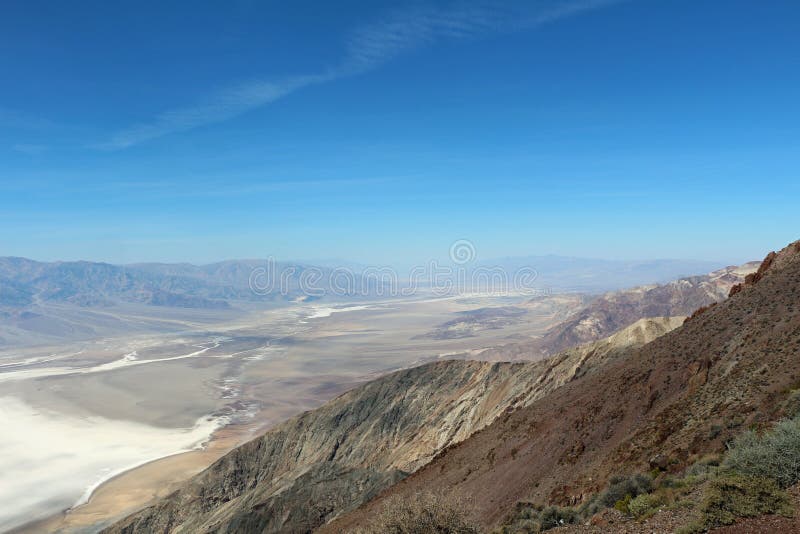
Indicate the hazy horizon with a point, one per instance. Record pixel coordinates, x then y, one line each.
397 264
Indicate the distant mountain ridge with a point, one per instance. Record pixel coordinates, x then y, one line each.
50 302
24 282
43 303
85 283
610 312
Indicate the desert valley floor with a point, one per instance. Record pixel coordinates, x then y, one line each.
157 408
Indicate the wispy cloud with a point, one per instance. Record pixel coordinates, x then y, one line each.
367 48
223 106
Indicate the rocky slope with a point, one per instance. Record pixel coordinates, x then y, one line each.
680 396
315 466
610 312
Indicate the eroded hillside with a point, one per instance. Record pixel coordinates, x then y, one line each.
342 454
680 396
613 311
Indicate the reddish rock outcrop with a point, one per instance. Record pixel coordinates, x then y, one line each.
771 259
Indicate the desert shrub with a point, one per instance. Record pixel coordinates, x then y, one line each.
527 511
703 469
554 516
672 482
622 504
730 496
775 454
591 506
619 487
681 503
529 518
644 505
424 513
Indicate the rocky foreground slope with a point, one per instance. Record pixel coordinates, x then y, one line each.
322 463
680 396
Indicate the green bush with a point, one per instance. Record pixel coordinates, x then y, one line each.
622 505
620 487
702 470
775 454
644 505
731 496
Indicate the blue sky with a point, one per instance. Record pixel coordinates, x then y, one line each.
383 132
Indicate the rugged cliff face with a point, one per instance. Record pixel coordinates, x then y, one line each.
681 396
322 463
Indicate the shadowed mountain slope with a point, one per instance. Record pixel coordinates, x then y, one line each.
315 466
730 367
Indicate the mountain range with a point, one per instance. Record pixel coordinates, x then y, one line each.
660 394
67 301
24 282
53 302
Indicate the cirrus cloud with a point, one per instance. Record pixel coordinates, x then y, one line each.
368 47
